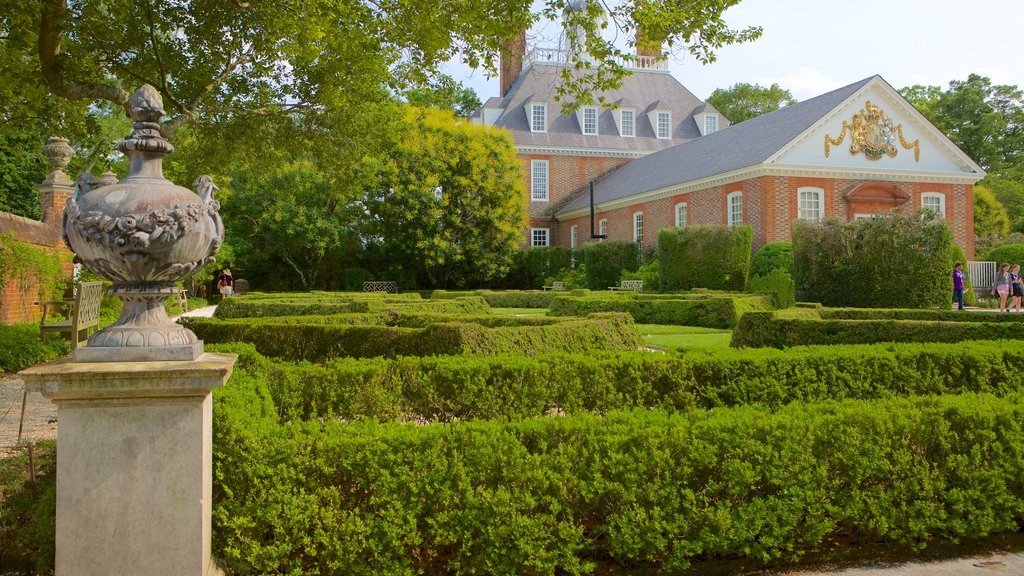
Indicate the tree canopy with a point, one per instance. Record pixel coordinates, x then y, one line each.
744 101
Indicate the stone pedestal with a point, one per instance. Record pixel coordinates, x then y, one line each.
134 464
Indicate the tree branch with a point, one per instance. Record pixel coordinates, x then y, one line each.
51 32
156 55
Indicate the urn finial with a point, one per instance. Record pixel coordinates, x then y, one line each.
146 109
146 105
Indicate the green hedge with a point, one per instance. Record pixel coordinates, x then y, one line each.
537 263
239 308
642 488
778 283
510 298
21 346
324 296
712 312
716 257
444 388
392 317
319 342
916 314
899 261
604 262
767 329
772 256
1009 253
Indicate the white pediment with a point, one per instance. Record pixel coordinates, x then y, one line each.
877 132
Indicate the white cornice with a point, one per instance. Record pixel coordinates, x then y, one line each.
759 170
564 151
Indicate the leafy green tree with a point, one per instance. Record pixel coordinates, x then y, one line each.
1009 192
745 101
990 217
448 200
446 95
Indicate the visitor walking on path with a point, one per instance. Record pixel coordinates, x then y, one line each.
1001 286
958 285
1016 287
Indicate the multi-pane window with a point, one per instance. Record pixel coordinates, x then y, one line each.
627 120
539 180
638 228
602 227
538 237
574 236
664 125
710 123
590 120
539 118
812 208
734 204
934 202
681 214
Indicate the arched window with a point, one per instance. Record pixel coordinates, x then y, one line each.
681 214
811 204
734 208
638 228
934 202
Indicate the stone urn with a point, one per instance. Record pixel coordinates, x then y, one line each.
143 233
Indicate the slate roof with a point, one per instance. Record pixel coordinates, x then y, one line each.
745 144
639 91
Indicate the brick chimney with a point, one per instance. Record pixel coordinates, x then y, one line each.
647 49
512 61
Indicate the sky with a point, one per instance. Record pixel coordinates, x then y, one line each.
813 46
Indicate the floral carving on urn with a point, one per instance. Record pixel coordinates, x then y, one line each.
143 233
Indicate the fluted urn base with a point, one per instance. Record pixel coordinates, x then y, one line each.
143 332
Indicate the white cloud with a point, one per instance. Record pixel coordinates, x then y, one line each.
804 83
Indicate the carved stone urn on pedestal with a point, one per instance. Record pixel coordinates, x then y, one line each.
143 233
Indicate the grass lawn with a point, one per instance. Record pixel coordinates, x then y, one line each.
684 337
520 311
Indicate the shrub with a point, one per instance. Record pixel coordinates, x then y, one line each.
536 264
27 516
571 279
759 329
899 261
715 257
352 279
778 283
509 298
710 312
21 346
772 256
605 262
244 308
644 488
1010 253
648 272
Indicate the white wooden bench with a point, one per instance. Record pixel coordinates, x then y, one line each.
82 313
555 286
634 285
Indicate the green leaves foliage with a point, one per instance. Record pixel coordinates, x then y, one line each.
895 261
1007 253
605 261
21 346
32 267
772 256
710 311
714 257
743 101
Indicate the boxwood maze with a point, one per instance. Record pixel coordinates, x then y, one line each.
258 308
707 310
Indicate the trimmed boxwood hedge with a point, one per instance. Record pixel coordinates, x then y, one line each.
780 330
239 308
510 298
323 296
710 312
646 488
704 257
446 387
317 342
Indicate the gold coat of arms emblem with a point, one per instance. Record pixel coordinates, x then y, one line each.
873 133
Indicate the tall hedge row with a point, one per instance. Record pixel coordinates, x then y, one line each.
644 488
896 261
510 298
242 308
605 262
709 312
715 257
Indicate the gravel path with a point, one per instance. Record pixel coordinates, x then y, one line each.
40 415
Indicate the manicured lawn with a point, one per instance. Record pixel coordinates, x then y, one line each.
683 337
520 311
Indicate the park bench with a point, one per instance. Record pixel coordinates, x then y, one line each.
381 286
555 286
82 313
634 285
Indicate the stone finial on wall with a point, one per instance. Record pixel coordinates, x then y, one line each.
58 153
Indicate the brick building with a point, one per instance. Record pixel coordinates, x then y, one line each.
663 158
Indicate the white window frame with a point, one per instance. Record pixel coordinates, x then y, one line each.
807 192
638 227
541 193
631 124
602 227
574 236
710 124
590 112
535 235
734 216
681 210
668 125
935 196
543 116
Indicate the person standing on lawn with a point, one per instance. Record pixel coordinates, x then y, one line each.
1001 286
1016 287
958 285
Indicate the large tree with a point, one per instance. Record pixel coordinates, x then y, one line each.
448 201
745 101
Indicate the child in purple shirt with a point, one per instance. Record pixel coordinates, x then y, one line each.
958 285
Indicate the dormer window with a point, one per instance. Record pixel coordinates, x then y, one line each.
710 123
590 120
537 113
663 124
627 123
